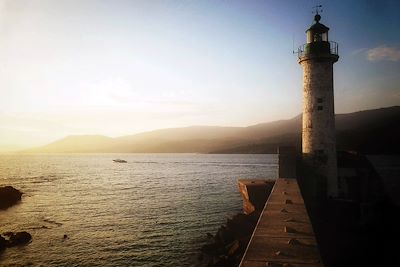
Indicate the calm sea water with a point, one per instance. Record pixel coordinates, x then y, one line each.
154 210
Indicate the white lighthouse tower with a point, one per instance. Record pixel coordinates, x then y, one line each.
317 57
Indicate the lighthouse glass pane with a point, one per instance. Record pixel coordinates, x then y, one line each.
324 37
309 37
317 37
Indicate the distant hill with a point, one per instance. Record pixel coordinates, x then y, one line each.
10 148
372 131
77 144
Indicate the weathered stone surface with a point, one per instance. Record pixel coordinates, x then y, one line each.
283 237
318 133
254 193
9 196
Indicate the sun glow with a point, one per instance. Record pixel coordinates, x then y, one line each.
117 68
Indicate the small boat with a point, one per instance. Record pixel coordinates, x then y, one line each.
120 160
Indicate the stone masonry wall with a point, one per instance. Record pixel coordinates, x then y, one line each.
318 134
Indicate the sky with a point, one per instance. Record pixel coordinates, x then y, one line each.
78 67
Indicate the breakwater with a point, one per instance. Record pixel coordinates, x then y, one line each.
284 234
227 246
274 228
301 226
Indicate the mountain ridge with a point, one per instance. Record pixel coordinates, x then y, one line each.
376 126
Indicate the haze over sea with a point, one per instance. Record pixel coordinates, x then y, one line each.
154 210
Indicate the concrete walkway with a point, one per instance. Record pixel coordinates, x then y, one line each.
283 235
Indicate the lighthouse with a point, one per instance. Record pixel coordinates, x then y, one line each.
317 57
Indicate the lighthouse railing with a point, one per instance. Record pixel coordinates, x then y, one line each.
334 48
304 50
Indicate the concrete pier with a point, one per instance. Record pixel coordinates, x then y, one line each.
283 235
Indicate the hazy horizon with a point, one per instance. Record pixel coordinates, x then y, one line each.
219 139
125 67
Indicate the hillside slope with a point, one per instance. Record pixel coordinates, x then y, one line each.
370 131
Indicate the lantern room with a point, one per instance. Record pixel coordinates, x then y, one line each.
318 45
317 32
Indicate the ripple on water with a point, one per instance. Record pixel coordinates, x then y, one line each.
153 211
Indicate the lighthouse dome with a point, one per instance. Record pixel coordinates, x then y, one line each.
318 28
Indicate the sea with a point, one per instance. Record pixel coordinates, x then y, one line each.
154 210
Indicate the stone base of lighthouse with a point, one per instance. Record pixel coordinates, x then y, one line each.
318 133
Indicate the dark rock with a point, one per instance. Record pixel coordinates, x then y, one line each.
200 257
65 236
230 241
233 247
210 249
19 238
9 196
222 261
3 243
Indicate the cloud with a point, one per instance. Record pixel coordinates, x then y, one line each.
383 52
359 51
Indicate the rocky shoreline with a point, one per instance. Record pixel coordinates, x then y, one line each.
10 239
9 196
227 246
